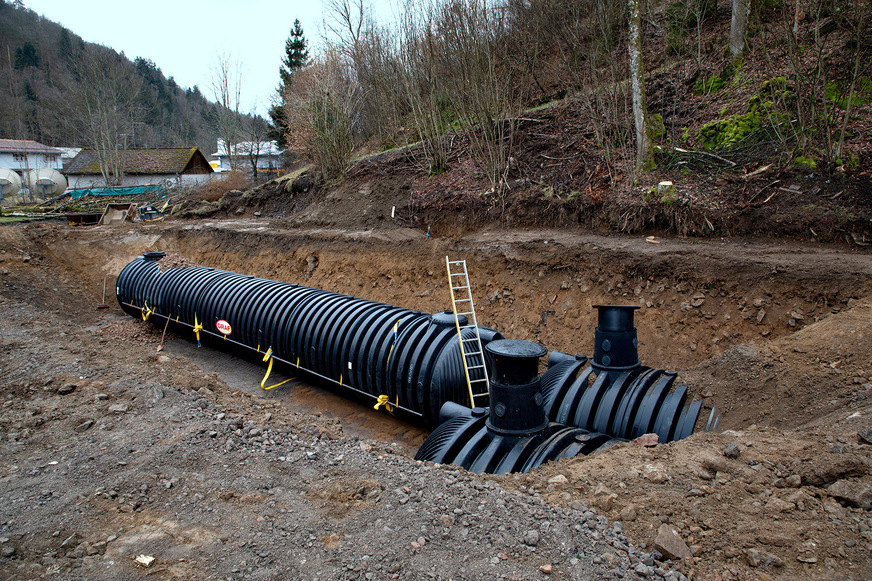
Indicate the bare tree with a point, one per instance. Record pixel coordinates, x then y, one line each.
345 23
323 105
105 107
738 27
478 79
227 89
372 51
644 153
419 80
255 133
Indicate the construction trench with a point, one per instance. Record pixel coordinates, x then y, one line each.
418 365
701 304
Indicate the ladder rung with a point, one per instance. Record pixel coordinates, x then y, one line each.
462 300
471 367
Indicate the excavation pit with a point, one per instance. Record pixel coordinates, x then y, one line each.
774 335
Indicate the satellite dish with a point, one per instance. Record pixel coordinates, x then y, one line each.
10 183
45 181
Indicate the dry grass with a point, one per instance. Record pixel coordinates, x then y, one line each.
218 186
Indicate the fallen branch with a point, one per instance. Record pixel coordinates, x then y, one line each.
560 158
772 195
718 157
756 172
775 183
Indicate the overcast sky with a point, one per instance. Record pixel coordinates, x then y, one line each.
185 37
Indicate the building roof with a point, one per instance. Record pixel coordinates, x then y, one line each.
25 146
164 160
69 152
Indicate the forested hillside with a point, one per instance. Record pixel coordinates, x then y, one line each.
55 86
701 117
744 82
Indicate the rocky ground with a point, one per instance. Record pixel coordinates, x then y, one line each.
123 462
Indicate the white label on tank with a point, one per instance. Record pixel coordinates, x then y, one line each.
349 365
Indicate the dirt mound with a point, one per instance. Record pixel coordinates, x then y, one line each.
358 204
561 179
819 369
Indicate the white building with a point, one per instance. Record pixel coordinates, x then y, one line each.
268 154
22 155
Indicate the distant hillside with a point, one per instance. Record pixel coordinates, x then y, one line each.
44 97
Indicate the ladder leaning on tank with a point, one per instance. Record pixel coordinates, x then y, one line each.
470 347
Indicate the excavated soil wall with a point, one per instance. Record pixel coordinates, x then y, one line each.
700 299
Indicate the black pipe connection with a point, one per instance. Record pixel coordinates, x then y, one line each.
513 434
613 393
407 361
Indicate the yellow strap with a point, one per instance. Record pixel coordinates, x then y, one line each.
391 350
384 400
278 384
268 357
146 312
197 328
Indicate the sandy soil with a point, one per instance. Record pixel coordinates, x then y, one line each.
111 450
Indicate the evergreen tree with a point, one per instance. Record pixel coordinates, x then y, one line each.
296 57
296 54
65 46
26 56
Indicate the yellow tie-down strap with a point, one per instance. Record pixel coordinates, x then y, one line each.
268 357
146 312
384 400
197 328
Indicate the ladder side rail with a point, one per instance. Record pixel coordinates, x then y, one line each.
448 264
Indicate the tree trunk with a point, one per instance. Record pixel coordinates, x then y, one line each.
738 27
637 79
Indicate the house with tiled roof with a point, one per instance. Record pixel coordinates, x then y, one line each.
22 155
167 166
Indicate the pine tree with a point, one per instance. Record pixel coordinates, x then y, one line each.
296 54
296 57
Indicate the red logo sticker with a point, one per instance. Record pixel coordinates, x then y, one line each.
223 327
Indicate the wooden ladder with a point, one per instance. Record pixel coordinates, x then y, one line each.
470 348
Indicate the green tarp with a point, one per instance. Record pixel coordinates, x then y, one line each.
125 191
